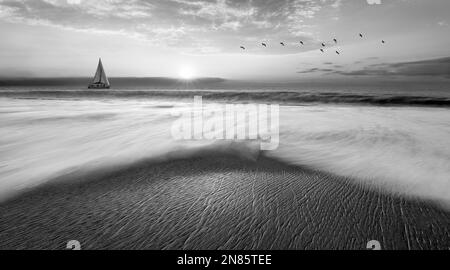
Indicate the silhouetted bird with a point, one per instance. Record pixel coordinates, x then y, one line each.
264 44
301 42
323 44
282 44
321 50
335 40
337 52
383 41
361 35
242 47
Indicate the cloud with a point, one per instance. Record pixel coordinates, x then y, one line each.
218 24
314 70
428 68
374 2
74 2
443 23
216 10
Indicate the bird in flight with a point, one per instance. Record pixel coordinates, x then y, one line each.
282 44
242 47
383 41
335 40
264 44
323 44
361 35
337 52
301 42
321 50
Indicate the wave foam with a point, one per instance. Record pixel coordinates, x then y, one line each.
401 149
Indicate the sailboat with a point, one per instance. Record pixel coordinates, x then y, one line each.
100 80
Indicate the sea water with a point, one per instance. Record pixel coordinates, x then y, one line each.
403 148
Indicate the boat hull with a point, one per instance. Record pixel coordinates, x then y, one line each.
98 86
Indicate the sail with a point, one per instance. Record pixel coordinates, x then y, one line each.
100 75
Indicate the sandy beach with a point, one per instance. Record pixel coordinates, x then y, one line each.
217 201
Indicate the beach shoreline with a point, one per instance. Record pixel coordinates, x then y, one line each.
217 201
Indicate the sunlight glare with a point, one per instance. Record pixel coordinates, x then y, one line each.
186 73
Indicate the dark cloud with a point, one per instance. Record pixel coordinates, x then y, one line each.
314 70
435 67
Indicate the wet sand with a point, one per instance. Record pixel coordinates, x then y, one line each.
218 202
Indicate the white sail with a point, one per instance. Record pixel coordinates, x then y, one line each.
100 79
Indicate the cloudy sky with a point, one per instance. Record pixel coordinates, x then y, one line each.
203 37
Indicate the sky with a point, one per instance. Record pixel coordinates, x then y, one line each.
202 38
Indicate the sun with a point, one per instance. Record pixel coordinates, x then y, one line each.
186 73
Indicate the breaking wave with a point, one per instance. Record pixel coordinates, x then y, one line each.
281 97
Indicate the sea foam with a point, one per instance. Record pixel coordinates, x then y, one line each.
400 149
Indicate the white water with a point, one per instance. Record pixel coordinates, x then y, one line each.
405 150
402 149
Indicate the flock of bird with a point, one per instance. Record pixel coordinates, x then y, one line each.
321 49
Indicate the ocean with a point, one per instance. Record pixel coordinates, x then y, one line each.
396 139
